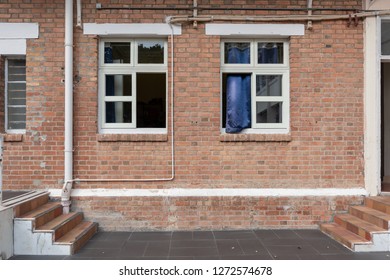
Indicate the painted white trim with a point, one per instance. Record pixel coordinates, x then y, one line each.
19 30
131 29
372 106
269 30
180 192
13 46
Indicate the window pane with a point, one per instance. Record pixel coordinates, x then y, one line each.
237 53
151 100
270 53
269 85
268 112
16 117
118 112
117 52
385 37
151 52
118 85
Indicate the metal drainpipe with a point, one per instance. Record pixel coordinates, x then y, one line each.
68 141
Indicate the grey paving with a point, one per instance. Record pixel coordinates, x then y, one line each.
214 245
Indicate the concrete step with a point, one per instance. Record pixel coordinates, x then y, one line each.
371 215
357 226
344 236
61 225
78 236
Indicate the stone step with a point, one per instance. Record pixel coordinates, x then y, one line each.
61 225
357 226
371 215
344 236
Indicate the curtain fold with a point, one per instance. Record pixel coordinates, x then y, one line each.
268 54
238 91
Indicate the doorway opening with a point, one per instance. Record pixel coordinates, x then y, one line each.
385 127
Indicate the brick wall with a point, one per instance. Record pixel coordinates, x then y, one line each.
324 149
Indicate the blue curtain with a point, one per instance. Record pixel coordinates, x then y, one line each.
268 54
238 92
110 87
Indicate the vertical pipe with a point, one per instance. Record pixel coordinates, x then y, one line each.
310 6
79 13
68 141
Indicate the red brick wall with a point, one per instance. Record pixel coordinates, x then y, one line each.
325 148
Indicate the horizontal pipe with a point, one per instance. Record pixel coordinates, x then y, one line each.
201 8
213 18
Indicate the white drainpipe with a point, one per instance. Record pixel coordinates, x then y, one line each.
68 141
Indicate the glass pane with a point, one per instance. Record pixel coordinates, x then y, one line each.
16 117
117 52
151 100
237 53
16 62
268 112
118 112
118 85
151 52
270 53
269 85
385 37
16 99
16 87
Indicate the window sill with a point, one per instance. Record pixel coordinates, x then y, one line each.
12 137
132 137
255 137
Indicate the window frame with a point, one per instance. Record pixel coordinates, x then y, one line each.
254 68
132 69
6 70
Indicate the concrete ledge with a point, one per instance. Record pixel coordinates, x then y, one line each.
12 137
132 137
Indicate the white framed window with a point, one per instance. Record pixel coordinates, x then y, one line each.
133 85
255 86
15 94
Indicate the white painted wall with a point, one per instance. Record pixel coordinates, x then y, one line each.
6 233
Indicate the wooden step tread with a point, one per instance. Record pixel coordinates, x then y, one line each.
41 210
367 226
76 233
343 235
382 199
376 217
57 222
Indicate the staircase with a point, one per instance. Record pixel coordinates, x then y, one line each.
41 228
364 228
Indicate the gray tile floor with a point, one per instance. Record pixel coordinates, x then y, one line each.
214 245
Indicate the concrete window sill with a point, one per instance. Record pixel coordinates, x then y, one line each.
132 137
12 137
255 138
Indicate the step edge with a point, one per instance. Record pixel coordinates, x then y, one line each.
15 201
68 219
54 207
361 227
365 241
92 224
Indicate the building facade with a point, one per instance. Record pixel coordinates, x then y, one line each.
191 114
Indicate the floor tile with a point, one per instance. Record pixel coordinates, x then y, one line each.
97 253
151 236
103 244
182 235
247 257
193 252
193 243
234 235
35 257
310 234
133 249
229 248
286 233
252 247
157 249
202 235
291 250
265 234
283 242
